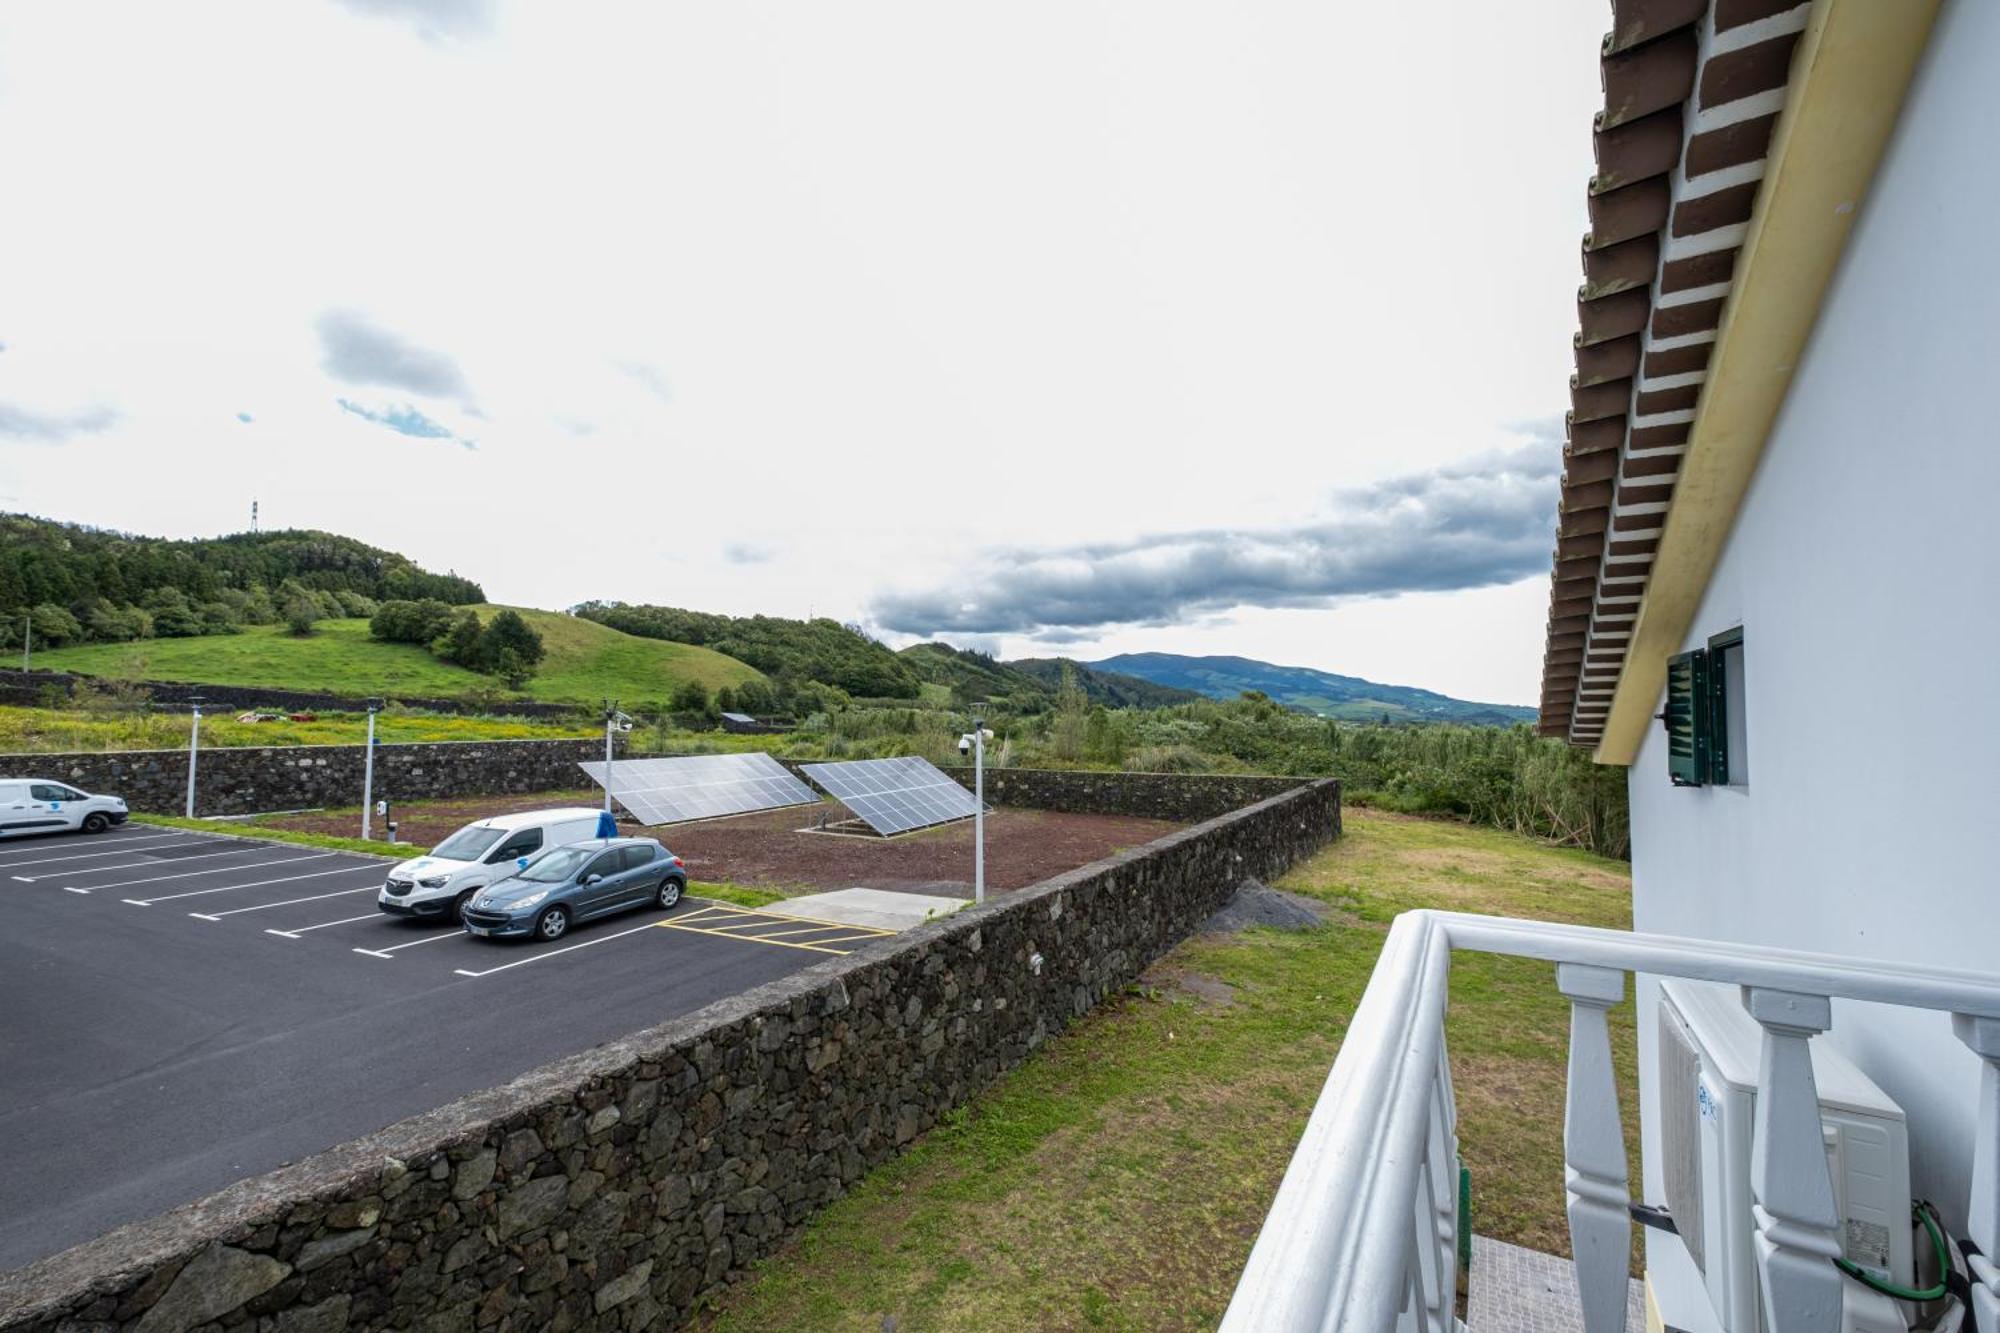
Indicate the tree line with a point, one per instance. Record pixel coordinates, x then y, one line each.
67 583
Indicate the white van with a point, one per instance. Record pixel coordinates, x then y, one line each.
439 884
41 805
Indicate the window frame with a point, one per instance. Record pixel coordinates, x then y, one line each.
1730 640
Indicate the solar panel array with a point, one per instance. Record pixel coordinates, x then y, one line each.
673 791
894 795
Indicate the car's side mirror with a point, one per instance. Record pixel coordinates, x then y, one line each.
589 880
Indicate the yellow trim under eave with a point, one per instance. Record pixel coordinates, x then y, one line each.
1853 65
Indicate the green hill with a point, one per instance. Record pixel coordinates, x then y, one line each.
974 677
793 650
586 662
67 564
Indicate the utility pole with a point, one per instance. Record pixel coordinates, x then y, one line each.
979 815
194 751
367 764
27 636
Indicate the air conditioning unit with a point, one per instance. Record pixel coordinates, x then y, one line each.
1709 1052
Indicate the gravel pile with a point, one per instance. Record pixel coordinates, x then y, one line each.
1256 904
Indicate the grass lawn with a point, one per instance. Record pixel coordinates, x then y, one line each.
54 730
1117 1180
586 662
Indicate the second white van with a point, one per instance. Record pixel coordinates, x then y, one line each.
438 884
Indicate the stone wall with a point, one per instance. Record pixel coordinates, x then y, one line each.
1182 797
34 688
614 1189
252 779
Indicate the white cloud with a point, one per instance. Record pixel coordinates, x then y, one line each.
1218 262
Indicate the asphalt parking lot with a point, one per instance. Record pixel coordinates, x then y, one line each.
180 1010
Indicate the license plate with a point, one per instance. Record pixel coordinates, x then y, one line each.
480 930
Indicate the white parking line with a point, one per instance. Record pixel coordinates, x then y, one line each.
322 925
152 865
68 889
265 907
568 948
431 939
85 856
231 888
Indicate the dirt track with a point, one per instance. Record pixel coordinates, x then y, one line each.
769 850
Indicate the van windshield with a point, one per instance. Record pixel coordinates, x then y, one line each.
468 844
556 866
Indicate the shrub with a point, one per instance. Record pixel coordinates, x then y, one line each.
509 646
219 618
302 615
422 621
691 697
354 606
53 624
460 643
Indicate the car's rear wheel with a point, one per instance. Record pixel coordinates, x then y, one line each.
552 924
670 892
96 822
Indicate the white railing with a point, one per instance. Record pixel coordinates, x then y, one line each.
1363 1234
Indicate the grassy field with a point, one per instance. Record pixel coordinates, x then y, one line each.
586 662
1118 1180
52 730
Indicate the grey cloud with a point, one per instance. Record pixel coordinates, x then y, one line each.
433 19
405 420
21 423
359 351
747 553
1470 525
650 377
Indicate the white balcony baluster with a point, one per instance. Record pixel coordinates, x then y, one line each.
1443 1159
1362 1237
1982 1221
1600 1221
1796 1219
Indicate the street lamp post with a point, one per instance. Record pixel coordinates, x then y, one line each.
975 741
194 751
368 770
611 725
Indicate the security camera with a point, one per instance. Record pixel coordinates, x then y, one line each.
965 745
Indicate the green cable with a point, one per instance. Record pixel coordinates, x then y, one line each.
1873 1283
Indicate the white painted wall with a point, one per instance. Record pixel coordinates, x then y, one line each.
1863 568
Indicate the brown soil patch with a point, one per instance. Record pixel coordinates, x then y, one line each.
768 850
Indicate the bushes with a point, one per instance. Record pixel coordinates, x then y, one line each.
410 622
507 647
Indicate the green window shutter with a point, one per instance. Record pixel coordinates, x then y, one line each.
1688 717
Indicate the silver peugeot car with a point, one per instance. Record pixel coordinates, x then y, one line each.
580 882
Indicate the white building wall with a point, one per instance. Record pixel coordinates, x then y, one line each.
1864 569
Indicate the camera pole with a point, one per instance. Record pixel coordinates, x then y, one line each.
979 815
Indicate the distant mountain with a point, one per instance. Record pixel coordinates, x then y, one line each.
1322 692
1111 688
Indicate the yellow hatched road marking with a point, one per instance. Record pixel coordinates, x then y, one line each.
726 921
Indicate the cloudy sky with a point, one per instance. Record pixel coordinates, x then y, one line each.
1050 327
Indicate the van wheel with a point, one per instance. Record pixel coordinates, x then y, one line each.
456 913
551 924
96 822
670 892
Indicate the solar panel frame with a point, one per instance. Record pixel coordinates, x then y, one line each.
895 796
706 786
